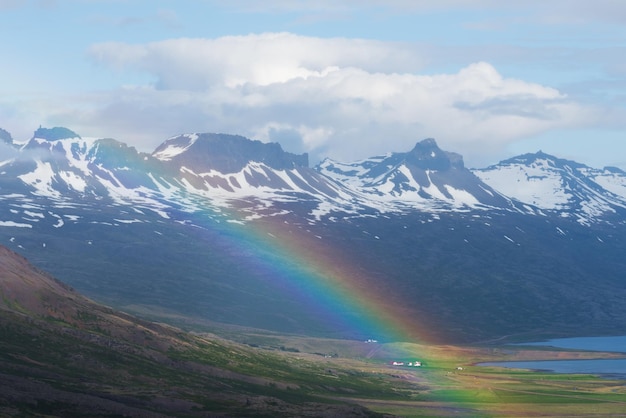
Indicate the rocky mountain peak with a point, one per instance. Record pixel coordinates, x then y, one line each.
540 157
225 153
5 136
428 156
54 134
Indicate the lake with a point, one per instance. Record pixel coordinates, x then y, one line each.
608 367
605 367
616 344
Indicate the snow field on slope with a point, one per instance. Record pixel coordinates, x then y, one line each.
537 185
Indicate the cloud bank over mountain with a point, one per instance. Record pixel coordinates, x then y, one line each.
332 97
345 79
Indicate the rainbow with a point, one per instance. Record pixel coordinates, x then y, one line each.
305 268
340 293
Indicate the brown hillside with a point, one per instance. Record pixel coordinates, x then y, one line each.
28 291
62 354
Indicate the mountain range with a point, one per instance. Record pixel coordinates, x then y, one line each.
217 227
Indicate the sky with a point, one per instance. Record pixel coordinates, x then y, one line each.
488 79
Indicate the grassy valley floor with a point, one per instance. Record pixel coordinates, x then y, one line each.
54 368
450 383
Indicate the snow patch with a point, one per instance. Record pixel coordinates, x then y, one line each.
172 151
15 224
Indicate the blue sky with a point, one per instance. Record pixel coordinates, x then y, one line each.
344 79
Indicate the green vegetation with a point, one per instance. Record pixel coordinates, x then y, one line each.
62 355
75 370
69 368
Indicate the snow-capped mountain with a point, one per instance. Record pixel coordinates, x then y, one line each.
225 154
564 187
425 178
230 171
197 227
193 172
57 172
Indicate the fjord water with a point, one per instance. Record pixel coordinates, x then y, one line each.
611 344
610 367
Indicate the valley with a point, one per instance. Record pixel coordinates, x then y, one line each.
93 365
224 277
64 355
405 245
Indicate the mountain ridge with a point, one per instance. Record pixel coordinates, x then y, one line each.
225 153
481 253
230 168
561 185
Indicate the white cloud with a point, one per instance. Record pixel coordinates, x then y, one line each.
258 59
343 98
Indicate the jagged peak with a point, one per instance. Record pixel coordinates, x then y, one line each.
6 137
427 155
530 158
427 142
174 146
614 170
226 153
55 134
